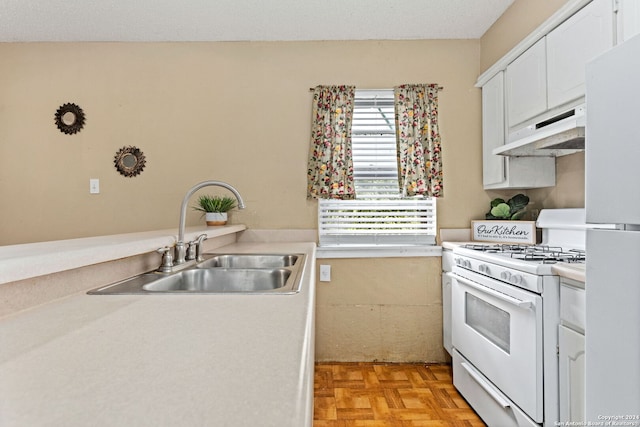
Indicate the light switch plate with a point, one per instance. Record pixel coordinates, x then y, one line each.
94 186
325 273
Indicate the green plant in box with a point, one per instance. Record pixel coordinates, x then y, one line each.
513 209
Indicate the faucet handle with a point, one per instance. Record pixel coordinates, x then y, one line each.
201 238
163 250
167 260
191 250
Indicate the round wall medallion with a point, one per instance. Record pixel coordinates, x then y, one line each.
70 118
129 161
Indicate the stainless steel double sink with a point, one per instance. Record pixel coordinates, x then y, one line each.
219 274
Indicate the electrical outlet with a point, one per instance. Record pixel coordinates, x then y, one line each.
325 273
94 186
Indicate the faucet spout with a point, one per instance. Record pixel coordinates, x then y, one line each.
180 248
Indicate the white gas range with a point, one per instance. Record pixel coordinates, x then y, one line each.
505 316
515 264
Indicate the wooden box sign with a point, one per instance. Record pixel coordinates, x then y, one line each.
504 231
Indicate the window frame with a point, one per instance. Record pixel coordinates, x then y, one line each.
343 224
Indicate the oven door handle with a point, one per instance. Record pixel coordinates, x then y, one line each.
504 297
488 388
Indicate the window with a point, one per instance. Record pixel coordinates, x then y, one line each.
373 145
378 216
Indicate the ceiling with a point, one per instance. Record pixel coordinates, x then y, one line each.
238 20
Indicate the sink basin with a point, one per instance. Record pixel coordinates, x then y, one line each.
219 274
221 280
249 261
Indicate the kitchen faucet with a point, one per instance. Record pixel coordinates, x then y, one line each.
180 251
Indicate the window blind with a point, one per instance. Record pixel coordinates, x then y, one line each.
373 139
376 222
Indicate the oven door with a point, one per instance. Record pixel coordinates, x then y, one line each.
498 329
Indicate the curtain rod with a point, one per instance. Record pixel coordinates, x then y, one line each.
311 89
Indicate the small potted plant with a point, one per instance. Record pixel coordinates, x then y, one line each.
215 208
505 223
513 209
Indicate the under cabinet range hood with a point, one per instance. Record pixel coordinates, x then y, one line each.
559 135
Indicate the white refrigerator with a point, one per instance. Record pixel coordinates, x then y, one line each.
612 355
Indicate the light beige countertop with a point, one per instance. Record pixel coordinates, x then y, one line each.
452 245
163 360
19 262
570 270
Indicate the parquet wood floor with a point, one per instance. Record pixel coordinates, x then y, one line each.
388 395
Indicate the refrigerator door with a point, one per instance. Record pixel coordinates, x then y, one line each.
612 330
613 135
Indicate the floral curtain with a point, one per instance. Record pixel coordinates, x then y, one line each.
418 138
330 166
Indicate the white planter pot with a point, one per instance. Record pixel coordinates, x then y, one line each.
216 218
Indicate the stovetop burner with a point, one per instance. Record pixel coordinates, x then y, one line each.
532 253
551 256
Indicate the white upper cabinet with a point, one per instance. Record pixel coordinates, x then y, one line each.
540 79
500 172
628 19
493 171
549 75
571 45
526 85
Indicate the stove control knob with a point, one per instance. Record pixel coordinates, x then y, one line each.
505 275
458 261
516 279
467 263
483 268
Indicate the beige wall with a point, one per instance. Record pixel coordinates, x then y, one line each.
387 309
517 22
238 112
569 189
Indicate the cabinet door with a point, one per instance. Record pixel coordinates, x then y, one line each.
628 19
572 375
575 42
493 168
526 84
500 172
